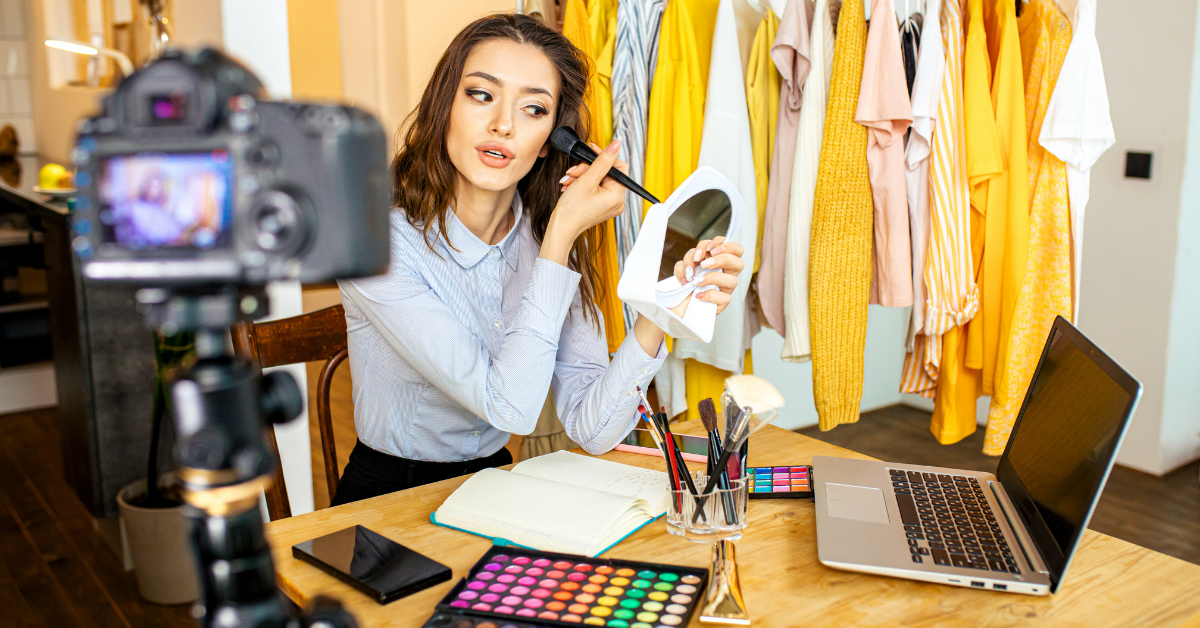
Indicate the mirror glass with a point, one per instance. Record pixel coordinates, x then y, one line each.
701 217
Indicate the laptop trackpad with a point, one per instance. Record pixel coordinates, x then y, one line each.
855 502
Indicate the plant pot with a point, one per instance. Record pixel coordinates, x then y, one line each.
158 542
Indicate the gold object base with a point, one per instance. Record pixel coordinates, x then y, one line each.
723 603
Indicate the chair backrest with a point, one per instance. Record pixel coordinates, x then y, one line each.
312 337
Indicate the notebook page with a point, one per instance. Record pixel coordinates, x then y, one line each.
601 475
541 513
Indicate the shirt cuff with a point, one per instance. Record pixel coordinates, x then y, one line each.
548 297
632 367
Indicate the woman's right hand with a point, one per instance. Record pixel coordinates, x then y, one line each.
589 198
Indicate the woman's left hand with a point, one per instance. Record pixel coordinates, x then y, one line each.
711 255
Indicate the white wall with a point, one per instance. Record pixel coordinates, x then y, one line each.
1181 403
886 329
1130 240
256 33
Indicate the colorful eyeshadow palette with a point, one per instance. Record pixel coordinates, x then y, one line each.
454 620
780 482
521 587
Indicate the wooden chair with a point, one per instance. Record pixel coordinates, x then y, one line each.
319 335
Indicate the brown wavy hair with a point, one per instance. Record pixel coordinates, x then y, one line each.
423 176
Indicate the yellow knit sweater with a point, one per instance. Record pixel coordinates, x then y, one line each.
840 258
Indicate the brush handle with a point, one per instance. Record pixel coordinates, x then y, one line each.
667 457
712 480
714 443
584 153
714 451
669 437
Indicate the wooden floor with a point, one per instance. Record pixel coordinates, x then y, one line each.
55 571
1162 514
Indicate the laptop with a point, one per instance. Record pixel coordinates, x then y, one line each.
1015 530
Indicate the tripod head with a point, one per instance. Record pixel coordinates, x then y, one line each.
222 405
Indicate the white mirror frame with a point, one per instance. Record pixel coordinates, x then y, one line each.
639 286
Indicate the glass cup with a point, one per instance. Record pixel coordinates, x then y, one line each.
720 515
675 511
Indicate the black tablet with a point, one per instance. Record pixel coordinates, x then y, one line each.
371 563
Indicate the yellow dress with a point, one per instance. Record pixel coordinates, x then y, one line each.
762 99
1006 240
842 236
675 120
958 384
577 27
602 22
1046 291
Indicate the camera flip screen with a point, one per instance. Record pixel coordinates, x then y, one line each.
167 200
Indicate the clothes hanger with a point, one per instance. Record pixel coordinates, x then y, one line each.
757 6
777 6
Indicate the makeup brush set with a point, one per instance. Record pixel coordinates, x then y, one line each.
750 403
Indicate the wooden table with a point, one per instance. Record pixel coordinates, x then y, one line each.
1110 583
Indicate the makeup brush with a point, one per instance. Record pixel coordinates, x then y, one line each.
708 416
652 428
756 392
679 461
670 452
759 394
672 468
566 140
760 403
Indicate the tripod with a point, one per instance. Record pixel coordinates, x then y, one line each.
222 405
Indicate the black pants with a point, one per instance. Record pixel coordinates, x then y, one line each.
372 473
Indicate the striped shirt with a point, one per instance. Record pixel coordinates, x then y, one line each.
454 348
633 71
952 297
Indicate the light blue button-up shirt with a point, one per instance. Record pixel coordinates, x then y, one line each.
453 350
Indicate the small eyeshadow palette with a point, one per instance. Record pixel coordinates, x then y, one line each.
512 586
780 482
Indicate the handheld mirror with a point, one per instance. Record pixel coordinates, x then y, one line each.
705 206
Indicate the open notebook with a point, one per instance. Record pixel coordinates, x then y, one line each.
559 502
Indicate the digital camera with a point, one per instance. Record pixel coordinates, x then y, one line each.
189 177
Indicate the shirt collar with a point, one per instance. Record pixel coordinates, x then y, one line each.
468 250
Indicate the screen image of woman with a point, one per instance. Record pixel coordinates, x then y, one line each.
167 200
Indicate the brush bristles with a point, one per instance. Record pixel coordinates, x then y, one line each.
708 414
756 392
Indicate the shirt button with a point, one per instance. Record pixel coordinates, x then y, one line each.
637 381
475 433
645 371
629 394
493 253
497 324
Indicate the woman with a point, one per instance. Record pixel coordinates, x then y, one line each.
491 294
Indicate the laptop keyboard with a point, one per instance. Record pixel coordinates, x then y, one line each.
947 520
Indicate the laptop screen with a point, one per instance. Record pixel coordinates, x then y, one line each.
1064 442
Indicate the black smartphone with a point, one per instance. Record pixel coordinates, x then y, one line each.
379 567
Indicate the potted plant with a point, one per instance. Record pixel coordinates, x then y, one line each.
152 517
